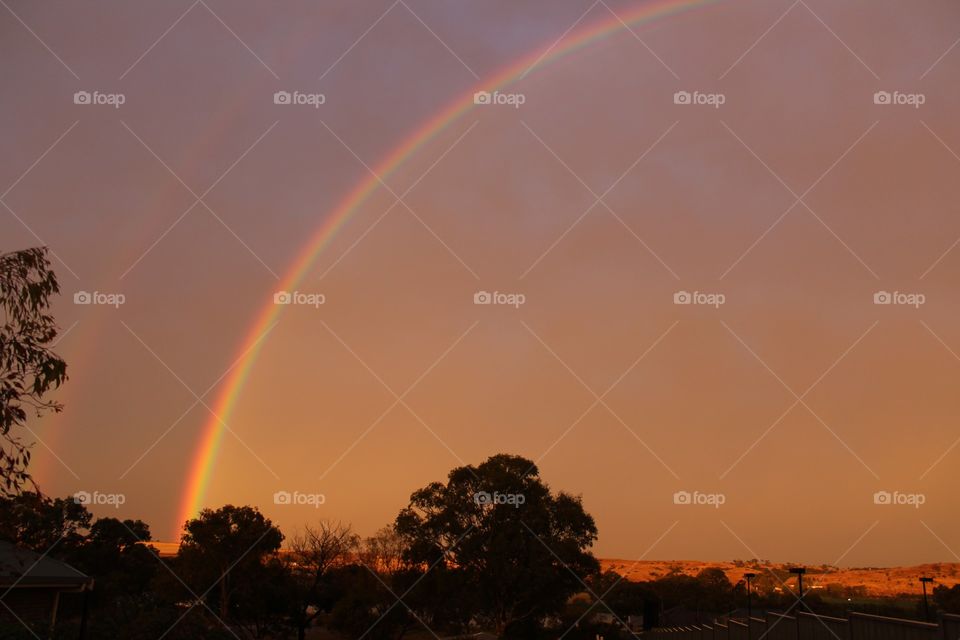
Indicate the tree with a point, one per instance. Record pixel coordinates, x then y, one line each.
261 599
313 554
29 369
44 525
708 593
367 609
115 553
715 592
620 594
118 535
226 548
364 592
383 552
947 598
516 550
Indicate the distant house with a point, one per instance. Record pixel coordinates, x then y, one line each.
604 617
634 623
31 585
631 622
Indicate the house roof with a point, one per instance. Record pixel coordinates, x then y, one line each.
24 568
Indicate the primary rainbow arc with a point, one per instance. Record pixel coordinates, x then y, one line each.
205 455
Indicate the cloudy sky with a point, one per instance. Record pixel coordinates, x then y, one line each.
735 156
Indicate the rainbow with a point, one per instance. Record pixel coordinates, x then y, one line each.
205 455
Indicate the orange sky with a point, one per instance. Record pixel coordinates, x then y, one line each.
712 404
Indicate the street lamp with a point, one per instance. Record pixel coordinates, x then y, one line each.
799 571
926 606
749 576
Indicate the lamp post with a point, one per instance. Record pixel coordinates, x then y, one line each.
926 606
749 576
799 571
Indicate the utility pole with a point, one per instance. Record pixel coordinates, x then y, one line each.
926 606
798 571
749 575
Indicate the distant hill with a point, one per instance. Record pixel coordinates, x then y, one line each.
874 581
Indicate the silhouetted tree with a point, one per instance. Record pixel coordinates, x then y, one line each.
366 607
114 553
46 525
29 369
516 550
384 551
226 548
709 593
262 597
716 593
946 598
364 594
620 594
313 554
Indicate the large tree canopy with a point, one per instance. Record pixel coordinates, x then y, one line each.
43 524
227 548
517 550
28 367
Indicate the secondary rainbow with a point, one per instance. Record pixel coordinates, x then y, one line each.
204 458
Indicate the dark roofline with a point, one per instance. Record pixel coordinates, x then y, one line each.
78 584
22 568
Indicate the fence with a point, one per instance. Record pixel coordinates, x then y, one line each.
813 627
867 627
807 626
951 626
779 627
